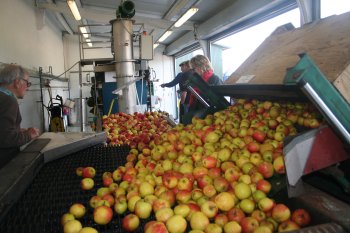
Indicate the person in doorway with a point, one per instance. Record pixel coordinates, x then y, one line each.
180 79
14 82
202 66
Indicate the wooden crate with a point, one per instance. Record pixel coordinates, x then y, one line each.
326 41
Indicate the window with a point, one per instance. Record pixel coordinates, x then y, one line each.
186 57
334 7
229 53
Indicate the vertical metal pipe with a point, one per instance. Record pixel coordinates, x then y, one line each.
81 98
123 55
42 98
81 55
309 10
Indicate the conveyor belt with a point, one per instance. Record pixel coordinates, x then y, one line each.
57 187
272 92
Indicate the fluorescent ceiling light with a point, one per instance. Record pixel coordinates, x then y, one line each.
155 45
74 9
165 35
186 16
89 42
83 31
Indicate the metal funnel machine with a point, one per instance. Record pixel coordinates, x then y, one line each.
122 48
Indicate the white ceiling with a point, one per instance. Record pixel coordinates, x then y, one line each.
156 16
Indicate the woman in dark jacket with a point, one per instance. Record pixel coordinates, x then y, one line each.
202 66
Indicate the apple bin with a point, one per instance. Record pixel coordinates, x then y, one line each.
269 153
57 189
258 165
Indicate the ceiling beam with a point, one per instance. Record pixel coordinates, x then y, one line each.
62 21
178 8
175 9
105 15
233 14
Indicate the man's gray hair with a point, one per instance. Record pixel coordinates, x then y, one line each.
10 73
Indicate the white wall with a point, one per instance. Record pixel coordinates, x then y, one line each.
28 38
71 56
161 64
164 68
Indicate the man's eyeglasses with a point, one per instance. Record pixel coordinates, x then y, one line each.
27 82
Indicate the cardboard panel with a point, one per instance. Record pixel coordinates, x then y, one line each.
342 83
326 41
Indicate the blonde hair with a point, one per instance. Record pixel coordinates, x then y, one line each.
201 62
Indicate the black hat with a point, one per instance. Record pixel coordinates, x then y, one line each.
183 63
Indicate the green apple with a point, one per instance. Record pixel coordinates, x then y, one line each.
88 230
232 227
164 214
182 209
176 224
143 209
120 206
146 189
67 217
78 210
209 208
242 190
258 195
72 226
199 221
213 228
247 205
132 202
224 201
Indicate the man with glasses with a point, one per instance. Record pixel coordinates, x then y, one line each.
13 85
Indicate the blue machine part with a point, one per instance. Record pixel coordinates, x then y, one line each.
108 96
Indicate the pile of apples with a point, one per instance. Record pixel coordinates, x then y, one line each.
208 176
132 129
